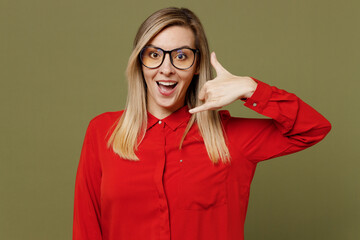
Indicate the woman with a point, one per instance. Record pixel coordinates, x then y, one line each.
170 166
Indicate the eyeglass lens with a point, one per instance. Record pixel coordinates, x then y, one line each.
153 57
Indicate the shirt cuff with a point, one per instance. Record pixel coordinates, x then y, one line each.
260 97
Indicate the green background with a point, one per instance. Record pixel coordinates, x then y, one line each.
63 62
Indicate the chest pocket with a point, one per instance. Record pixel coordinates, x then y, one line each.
202 184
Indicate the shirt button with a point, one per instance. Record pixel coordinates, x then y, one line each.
181 161
254 104
160 122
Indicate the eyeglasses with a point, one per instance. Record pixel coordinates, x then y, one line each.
180 58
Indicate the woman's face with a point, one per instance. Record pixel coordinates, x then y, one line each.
167 85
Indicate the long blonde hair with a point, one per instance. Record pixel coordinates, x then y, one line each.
131 127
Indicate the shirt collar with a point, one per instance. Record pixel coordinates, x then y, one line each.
174 120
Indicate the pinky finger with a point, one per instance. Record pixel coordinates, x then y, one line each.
199 109
204 107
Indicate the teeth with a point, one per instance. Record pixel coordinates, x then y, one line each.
167 83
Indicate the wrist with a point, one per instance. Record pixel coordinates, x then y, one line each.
251 86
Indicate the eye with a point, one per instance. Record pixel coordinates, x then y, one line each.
181 56
154 55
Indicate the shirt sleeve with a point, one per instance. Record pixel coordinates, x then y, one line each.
86 222
294 125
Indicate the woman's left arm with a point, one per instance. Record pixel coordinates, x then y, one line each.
294 125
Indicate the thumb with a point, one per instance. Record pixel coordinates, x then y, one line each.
217 66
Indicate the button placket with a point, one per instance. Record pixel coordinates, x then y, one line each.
163 204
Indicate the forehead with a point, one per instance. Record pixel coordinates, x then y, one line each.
174 37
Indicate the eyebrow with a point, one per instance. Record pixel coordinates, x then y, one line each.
184 46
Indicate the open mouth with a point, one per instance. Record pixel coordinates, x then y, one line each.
166 86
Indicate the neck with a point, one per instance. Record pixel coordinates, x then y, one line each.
161 113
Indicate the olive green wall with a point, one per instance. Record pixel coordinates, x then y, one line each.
63 62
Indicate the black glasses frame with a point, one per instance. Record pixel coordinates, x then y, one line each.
169 52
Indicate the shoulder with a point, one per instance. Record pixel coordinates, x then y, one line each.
105 120
227 119
235 125
107 116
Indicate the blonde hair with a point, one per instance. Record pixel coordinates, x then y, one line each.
131 127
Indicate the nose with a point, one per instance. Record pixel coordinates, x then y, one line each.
166 67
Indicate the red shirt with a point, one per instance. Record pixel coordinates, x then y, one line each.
179 194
